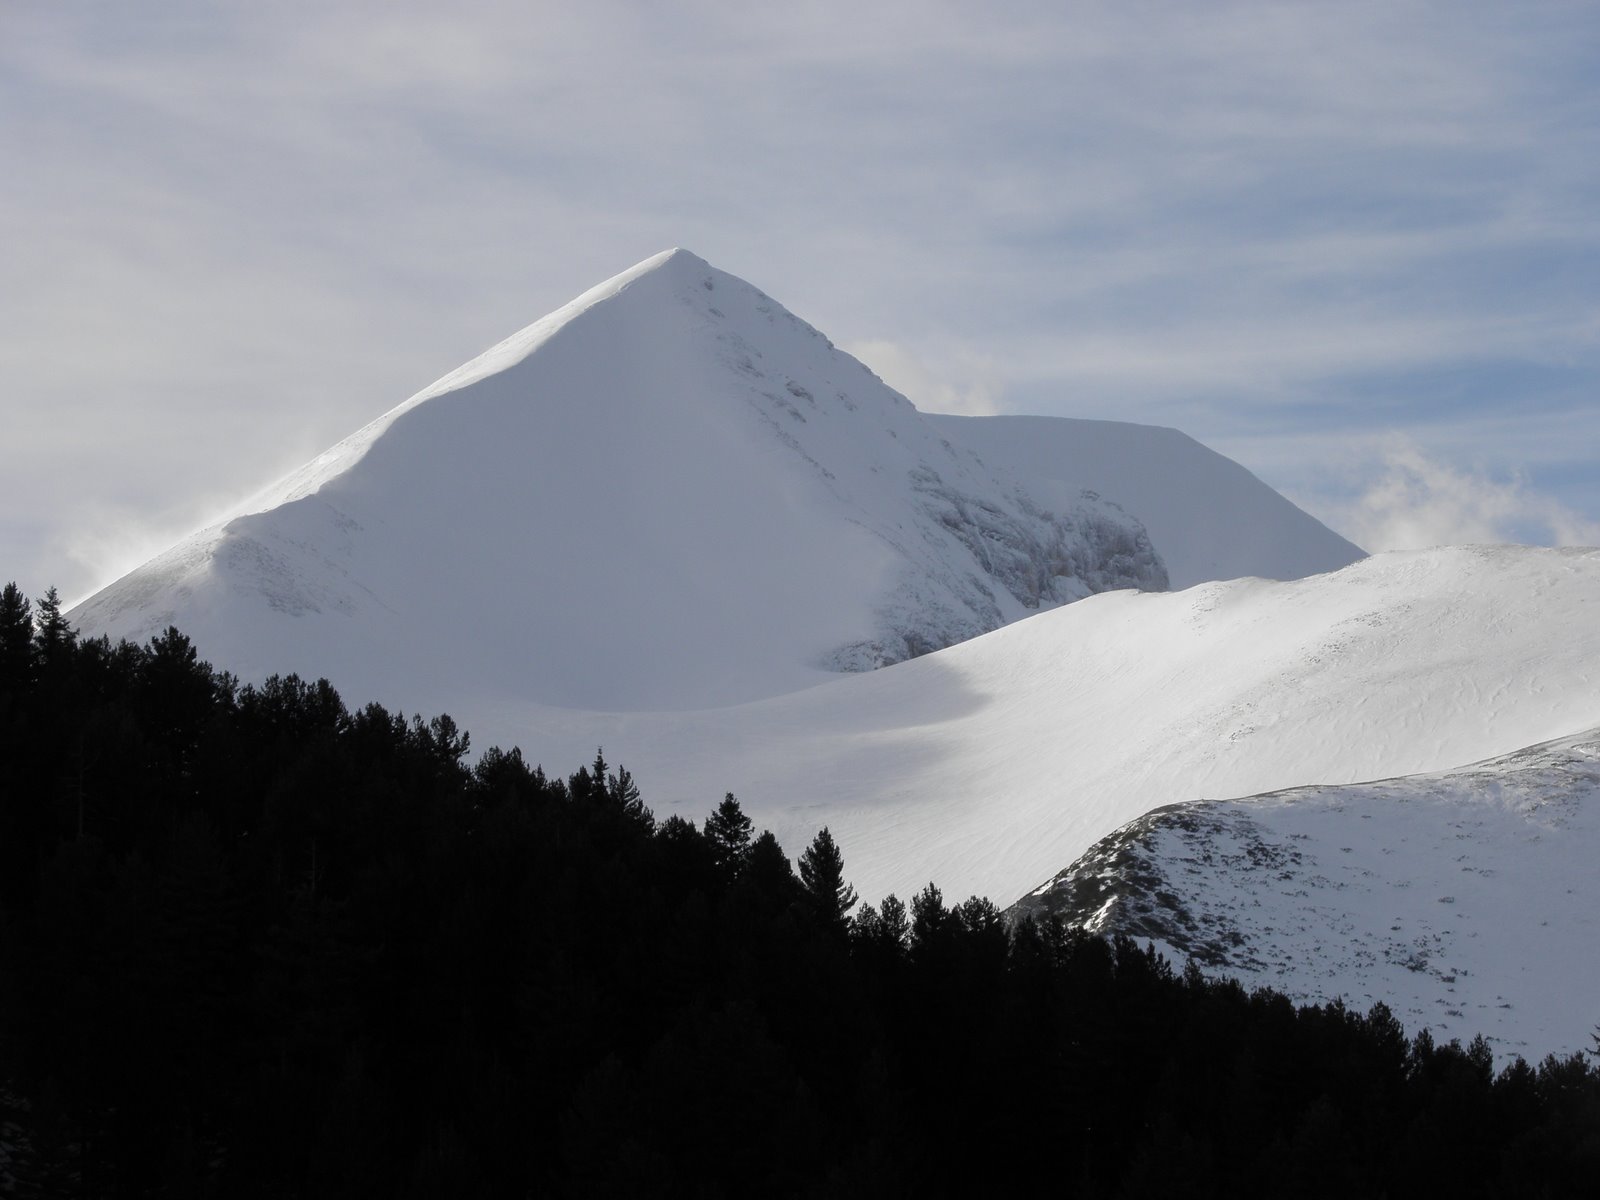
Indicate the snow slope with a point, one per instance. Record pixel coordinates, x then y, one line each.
1207 516
1467 900
988 766
669 493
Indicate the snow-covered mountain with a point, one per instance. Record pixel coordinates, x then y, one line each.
669 493
1466 900
989 766
664 519
1207 516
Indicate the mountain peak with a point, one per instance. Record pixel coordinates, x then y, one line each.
676 262
676 257
670 492
672 275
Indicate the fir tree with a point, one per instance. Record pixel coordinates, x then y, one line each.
16 638
768 877
930 920
56 634
884 933
729 830
896 925
822 873
623 793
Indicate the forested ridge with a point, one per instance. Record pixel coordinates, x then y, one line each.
254 942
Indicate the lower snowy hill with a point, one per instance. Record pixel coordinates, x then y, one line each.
1207 516
1468 900
672 492
988 766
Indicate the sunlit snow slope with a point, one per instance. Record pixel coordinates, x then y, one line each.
1468 901
669 493
1208 517
989 766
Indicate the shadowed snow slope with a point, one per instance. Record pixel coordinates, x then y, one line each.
1468 901
988 766
669 493
1207 516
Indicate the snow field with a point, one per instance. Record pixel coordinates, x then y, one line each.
989 766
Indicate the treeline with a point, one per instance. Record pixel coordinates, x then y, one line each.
253 943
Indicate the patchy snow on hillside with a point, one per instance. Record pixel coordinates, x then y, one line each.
1467 900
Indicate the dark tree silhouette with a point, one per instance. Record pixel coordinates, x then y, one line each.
256 943
729 831
624 795
56 634
822 873
16 638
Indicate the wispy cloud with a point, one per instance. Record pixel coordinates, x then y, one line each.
966 384
1418 501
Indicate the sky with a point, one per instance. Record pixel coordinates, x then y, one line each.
1354 246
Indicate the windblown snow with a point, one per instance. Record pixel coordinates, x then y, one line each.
1466 900
670 493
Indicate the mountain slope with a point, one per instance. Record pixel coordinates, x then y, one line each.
669 493
1207 516
1467 900
989 765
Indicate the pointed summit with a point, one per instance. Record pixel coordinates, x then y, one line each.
676 257
669 492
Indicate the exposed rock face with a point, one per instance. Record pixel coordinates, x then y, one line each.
1208 516
1024 556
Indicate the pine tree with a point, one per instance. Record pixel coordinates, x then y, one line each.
896 925
768 879
729 830
16 639
884 934
587 784
56 634
822 873
179 694
930 920
624 793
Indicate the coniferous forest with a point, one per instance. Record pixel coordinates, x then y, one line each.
256 942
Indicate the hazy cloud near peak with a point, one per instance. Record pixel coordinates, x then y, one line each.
966 385
1418 501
